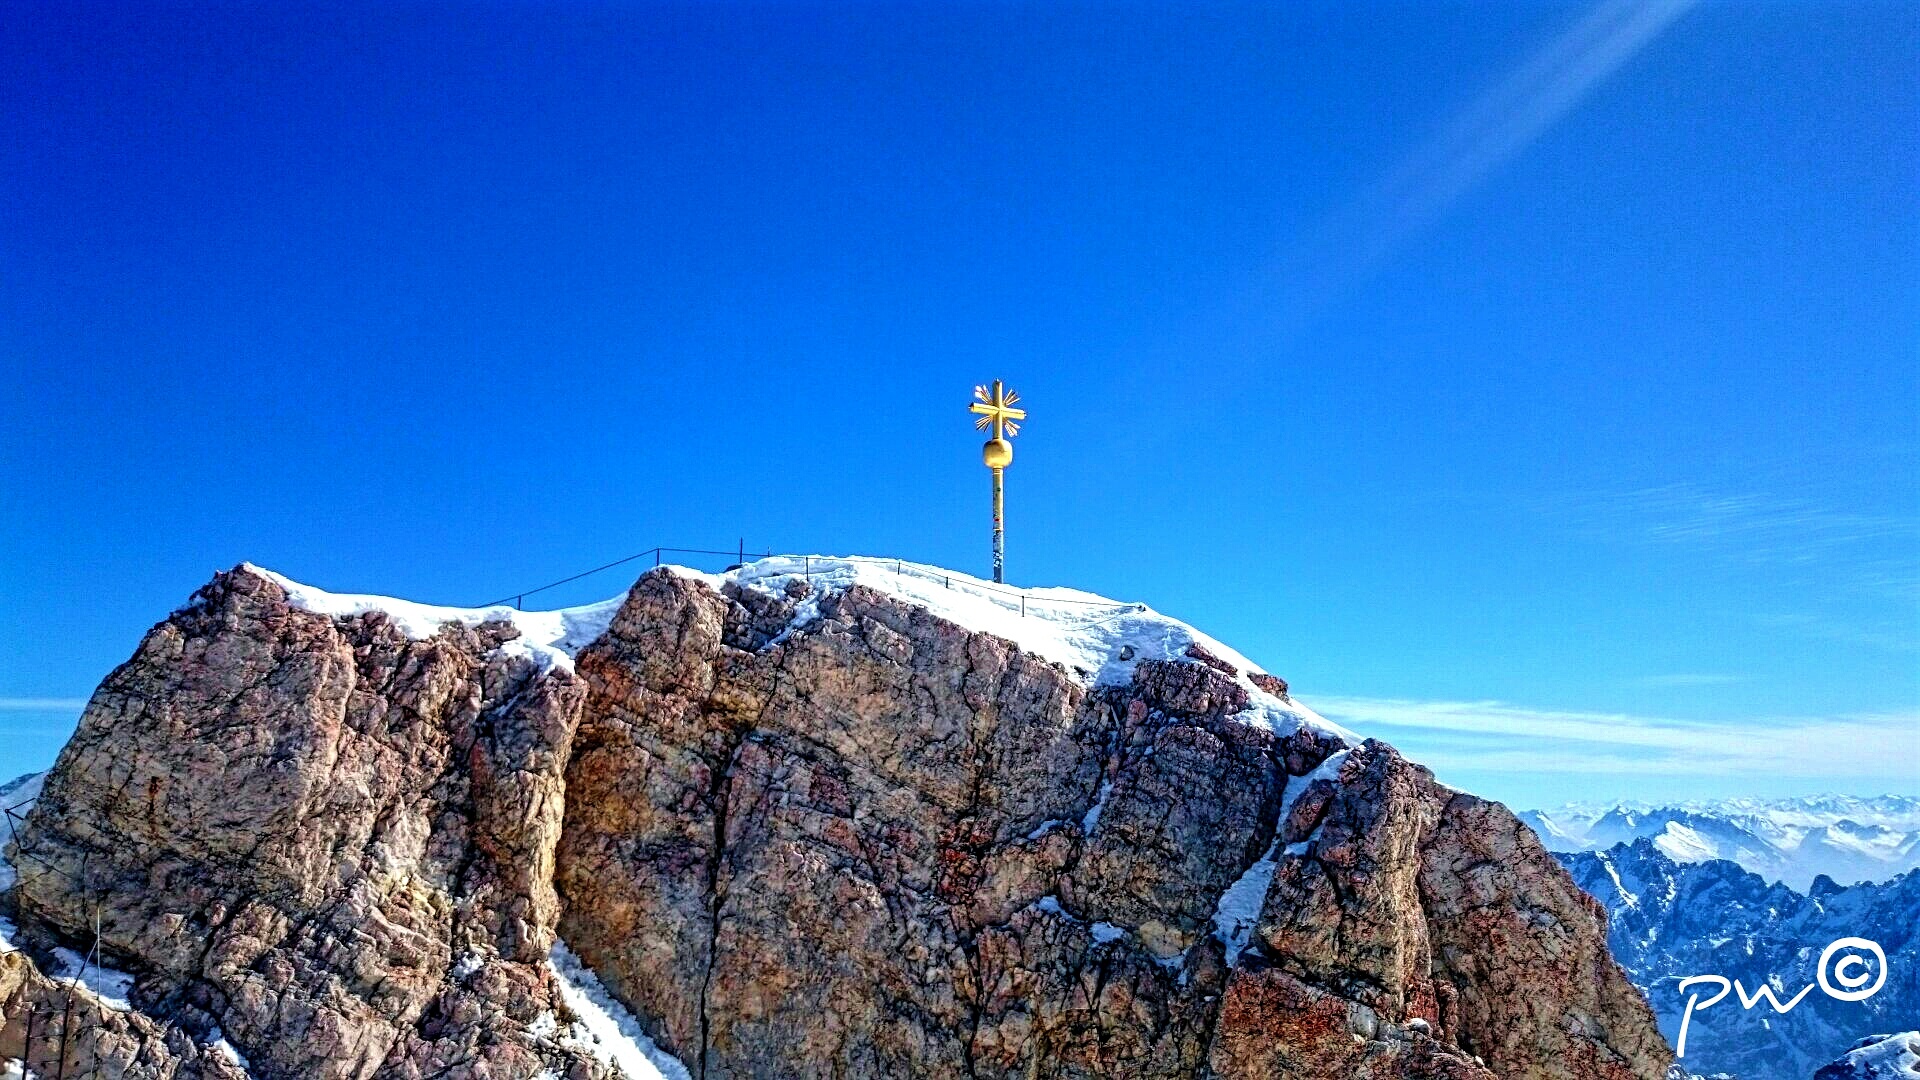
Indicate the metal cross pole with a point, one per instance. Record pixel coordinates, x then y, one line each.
997 413
999 525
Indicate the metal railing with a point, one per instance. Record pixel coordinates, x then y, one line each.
90 960
808 566
812 564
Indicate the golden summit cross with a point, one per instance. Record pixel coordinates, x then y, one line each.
997 413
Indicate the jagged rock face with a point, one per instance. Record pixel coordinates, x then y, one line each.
294 828
36 1012
882 845
1399 900
801 836
1671 920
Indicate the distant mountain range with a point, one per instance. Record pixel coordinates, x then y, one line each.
1669 920
1791 841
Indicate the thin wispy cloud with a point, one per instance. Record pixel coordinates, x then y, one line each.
42 704
1493 736
1830 571
1894 634
1687 678
1758 524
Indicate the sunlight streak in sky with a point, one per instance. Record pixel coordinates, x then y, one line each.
1488 133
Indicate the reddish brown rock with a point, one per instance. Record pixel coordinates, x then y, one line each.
1273 1025
56 1029
868 844
1303 750
1524 952
295 828
886 845
1423 903
1197 651
1272 684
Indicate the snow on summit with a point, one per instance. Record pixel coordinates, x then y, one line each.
550 637
1096 639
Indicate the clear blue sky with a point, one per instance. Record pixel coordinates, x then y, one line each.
1534 385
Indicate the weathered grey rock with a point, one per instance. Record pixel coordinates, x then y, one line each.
1520 958
294 827
874 844
60 1029
884 846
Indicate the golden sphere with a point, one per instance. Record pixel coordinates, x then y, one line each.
998 453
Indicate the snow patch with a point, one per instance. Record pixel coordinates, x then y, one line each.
1685 845
217 1042
1045 827
113 988
1893 1057
1103 932
18 796
549 638
1627 896
1092 819
1097 640
604 1027
1239 907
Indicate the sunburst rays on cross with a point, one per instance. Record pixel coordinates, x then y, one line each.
996 409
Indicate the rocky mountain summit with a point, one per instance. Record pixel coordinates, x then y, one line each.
783 822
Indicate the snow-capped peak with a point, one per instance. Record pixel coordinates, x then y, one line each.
1791 840
1099 641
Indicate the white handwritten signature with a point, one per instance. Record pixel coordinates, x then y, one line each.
1851 972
